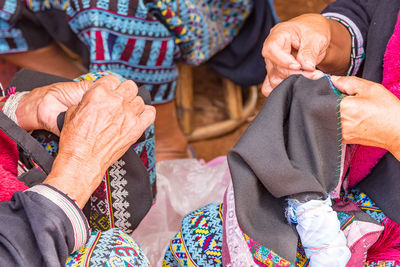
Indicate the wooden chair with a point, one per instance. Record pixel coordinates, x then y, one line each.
237 111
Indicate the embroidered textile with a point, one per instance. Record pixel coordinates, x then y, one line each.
110 248
138 39
199 243
183 251
115 202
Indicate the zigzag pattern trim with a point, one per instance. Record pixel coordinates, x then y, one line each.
103 248
119 195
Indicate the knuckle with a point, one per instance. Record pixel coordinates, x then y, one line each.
274 81
139 102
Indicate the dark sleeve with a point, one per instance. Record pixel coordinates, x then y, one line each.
20 29
356 16
40 227
359 12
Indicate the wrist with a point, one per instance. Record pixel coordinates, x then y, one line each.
337 59
74 177
26 114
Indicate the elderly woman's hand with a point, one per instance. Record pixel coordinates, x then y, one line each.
370 114
96 133
39 109
300 44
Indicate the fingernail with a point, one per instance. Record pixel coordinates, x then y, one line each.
317 75
334 78
309 65
295 66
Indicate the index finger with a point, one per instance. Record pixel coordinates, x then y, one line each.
278 49
128 90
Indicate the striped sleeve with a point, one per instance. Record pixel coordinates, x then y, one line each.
356 16
70 208
357 41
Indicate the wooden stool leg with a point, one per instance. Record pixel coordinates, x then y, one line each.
184 97
233 99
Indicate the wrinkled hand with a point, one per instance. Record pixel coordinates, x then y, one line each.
301 44
96 133
39 109
370 114
295 47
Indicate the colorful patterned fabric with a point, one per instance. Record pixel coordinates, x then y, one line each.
199 243
383 264
110 248
112 191
263 256
145 149
184 251
138 39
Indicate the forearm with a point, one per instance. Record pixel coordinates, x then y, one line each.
337 59
40 227
74 177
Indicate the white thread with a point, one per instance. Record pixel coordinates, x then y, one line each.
319 230
11 105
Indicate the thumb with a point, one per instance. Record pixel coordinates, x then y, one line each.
310 54
349 85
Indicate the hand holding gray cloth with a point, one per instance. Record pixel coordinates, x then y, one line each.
292 147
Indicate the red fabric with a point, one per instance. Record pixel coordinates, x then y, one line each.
8 168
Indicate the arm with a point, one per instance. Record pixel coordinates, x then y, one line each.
355 16
369 114
42 225
311 41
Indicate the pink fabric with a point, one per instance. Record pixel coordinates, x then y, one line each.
8 168
360 237
235 251
365 158
388 244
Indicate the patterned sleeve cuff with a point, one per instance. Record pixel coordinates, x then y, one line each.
357 42
71 210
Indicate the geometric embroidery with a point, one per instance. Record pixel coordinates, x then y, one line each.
263 256
199 243
366 204
382 264
109 248
199 240
119 194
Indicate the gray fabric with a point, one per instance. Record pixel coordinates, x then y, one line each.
32 177
291 147
34 231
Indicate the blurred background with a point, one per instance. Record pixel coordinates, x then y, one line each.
209 105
